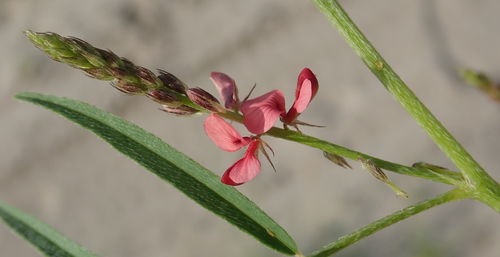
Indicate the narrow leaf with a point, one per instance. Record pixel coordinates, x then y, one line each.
195 181
46 239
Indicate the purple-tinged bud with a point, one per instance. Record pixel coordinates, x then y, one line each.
111 59
122 74
227 89
172 82
337 159
182 111
98 73
163 96
128 88
205 100
146 76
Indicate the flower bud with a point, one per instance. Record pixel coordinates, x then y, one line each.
163 96
98 73
146 76
182 111
172 82
205 100
128 88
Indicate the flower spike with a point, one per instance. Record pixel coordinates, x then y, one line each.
246 168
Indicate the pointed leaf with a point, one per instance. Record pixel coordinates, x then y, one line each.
42 236
196 182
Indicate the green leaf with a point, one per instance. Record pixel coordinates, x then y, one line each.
195 181
42 236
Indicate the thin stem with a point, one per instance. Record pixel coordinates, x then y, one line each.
450 196
348 153
485 189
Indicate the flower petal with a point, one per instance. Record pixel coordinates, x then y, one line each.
227 89
245 169
262 112
307 87
223 134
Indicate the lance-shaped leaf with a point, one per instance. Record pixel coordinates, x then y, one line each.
42 236
195 181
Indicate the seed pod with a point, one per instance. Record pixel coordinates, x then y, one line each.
371 167
337 159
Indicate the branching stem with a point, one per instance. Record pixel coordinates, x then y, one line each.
450 196
479 184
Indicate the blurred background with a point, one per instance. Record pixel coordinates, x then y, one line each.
78 184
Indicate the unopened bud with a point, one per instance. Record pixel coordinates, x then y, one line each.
475 78
370 166
163 96
172 82
128 88
205 100
98 73
146 76
337 159
182 111
122 74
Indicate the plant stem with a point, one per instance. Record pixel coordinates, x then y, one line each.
348 153
479 183
450 196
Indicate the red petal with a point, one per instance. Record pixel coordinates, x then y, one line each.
245 169
226 87
223 134
307 87
262 112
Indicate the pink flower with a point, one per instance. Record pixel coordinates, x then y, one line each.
261 113
307 87
223 134
246 168
226 137
227 89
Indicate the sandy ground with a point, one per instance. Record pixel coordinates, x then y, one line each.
75 182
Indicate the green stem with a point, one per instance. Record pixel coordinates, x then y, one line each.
347 153
480 184
450 196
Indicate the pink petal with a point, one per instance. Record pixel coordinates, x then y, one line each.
307 87
223 134
226 87
245 169
262 112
